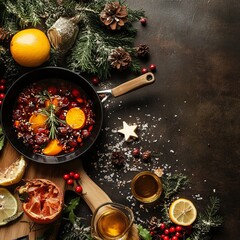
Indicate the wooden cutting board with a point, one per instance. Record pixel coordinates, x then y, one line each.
94 196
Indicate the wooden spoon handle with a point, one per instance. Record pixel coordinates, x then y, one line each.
143 80
93 195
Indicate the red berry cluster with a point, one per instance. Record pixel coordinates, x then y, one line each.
152 68
70 178
2 90
173 232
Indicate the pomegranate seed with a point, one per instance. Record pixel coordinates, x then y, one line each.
153 67
75 92
144 70
143 21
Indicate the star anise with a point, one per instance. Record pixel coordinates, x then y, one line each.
119 58
114 15
118 159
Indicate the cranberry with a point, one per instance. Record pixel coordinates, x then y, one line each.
144 70
166 238
75 92
143 21
172 229
78 189
136 152
52 90
70 181
71 174
166 231
153 67
2 88
95 80
178 234
2 81
66 176
179 228
162 226
2 95
76 176
174 238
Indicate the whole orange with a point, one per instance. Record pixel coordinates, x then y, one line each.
30 47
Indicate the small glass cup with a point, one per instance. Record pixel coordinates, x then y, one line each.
146 187
111 221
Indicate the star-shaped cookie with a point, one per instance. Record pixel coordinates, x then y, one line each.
128 131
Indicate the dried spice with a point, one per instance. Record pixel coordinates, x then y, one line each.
146 156
142 50
118 159
114 15
119 58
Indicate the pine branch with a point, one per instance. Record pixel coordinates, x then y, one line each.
207 220
173 184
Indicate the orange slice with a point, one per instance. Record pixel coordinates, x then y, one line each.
54 102
75 118
182 212
38 120
53 148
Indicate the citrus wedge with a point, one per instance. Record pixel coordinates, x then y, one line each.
14 173
75 118
53 148
37 121
8 206
182 212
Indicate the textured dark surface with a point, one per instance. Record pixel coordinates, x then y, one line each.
190 116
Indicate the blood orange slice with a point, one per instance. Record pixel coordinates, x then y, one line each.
42 200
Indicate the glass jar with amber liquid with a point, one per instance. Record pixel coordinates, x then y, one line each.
146 187
111 221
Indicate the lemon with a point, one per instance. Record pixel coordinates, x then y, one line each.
182 212
30 47
8 206
14 173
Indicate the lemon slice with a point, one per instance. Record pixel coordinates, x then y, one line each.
182 212
14 173
8 206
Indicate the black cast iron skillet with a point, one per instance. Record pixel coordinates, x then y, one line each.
49 73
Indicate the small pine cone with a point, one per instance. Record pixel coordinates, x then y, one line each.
119 58
146 156
114 15
4 34
118 159
142 50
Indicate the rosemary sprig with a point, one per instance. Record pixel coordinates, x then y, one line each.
50 111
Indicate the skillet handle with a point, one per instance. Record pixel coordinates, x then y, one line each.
145 79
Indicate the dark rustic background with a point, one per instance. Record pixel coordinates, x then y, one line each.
190 117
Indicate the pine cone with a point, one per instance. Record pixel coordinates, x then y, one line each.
114 15
142 50
4 34
119 58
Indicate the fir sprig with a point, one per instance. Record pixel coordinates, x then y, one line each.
207 220
73 228
94 41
